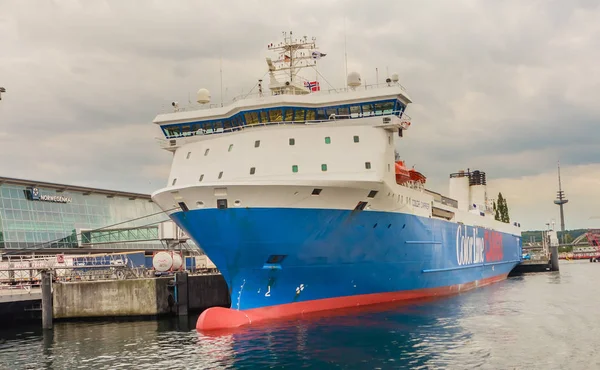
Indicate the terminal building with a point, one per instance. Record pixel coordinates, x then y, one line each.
59 218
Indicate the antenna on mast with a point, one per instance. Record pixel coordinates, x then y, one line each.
221 75
345 51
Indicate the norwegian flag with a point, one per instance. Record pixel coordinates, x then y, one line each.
312 85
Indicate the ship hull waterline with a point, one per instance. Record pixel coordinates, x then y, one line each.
283 262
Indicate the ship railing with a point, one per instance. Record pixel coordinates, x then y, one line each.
197 106
333 117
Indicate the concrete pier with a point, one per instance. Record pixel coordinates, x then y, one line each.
138 297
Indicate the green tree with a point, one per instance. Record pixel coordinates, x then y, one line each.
502 210
567 238
496 212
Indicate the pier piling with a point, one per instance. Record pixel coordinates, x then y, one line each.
181 286
47 309
554 258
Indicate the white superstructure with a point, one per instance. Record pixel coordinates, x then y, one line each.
298 146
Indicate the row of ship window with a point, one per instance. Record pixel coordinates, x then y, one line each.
253 171
286 114
292 141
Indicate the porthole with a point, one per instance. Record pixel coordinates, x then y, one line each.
257 143
199 204
174 181
368 165
292 141
201 178
206 152
188 155
252 170
323 167
220 174
237 203
356 138
230 147
327 140
295 168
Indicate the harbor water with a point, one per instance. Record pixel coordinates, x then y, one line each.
536 321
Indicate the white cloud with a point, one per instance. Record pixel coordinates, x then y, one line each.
505 87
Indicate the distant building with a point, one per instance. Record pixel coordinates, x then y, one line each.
36 214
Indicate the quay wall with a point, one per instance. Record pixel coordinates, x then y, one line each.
134 297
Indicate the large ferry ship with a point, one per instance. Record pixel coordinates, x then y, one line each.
299 197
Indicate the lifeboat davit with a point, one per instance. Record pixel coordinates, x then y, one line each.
404 174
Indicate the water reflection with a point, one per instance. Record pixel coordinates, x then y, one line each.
506 325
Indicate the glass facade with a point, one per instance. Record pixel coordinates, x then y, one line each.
45 217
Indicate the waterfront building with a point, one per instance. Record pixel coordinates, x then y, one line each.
37 214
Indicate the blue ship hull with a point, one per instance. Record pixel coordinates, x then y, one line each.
281 256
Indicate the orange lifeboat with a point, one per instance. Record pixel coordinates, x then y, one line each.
404 174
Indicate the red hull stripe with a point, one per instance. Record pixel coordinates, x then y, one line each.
220 318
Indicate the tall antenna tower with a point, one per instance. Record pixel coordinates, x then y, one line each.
560 201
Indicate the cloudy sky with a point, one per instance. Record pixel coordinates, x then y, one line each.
508 87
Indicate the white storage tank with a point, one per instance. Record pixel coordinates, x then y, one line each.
162 261
177 261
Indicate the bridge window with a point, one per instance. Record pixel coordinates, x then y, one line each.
344 112
289 115
384 108
172 130
299 115
251 118
275 115
321 115
286 114
368 110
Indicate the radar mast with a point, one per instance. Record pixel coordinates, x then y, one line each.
292 56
